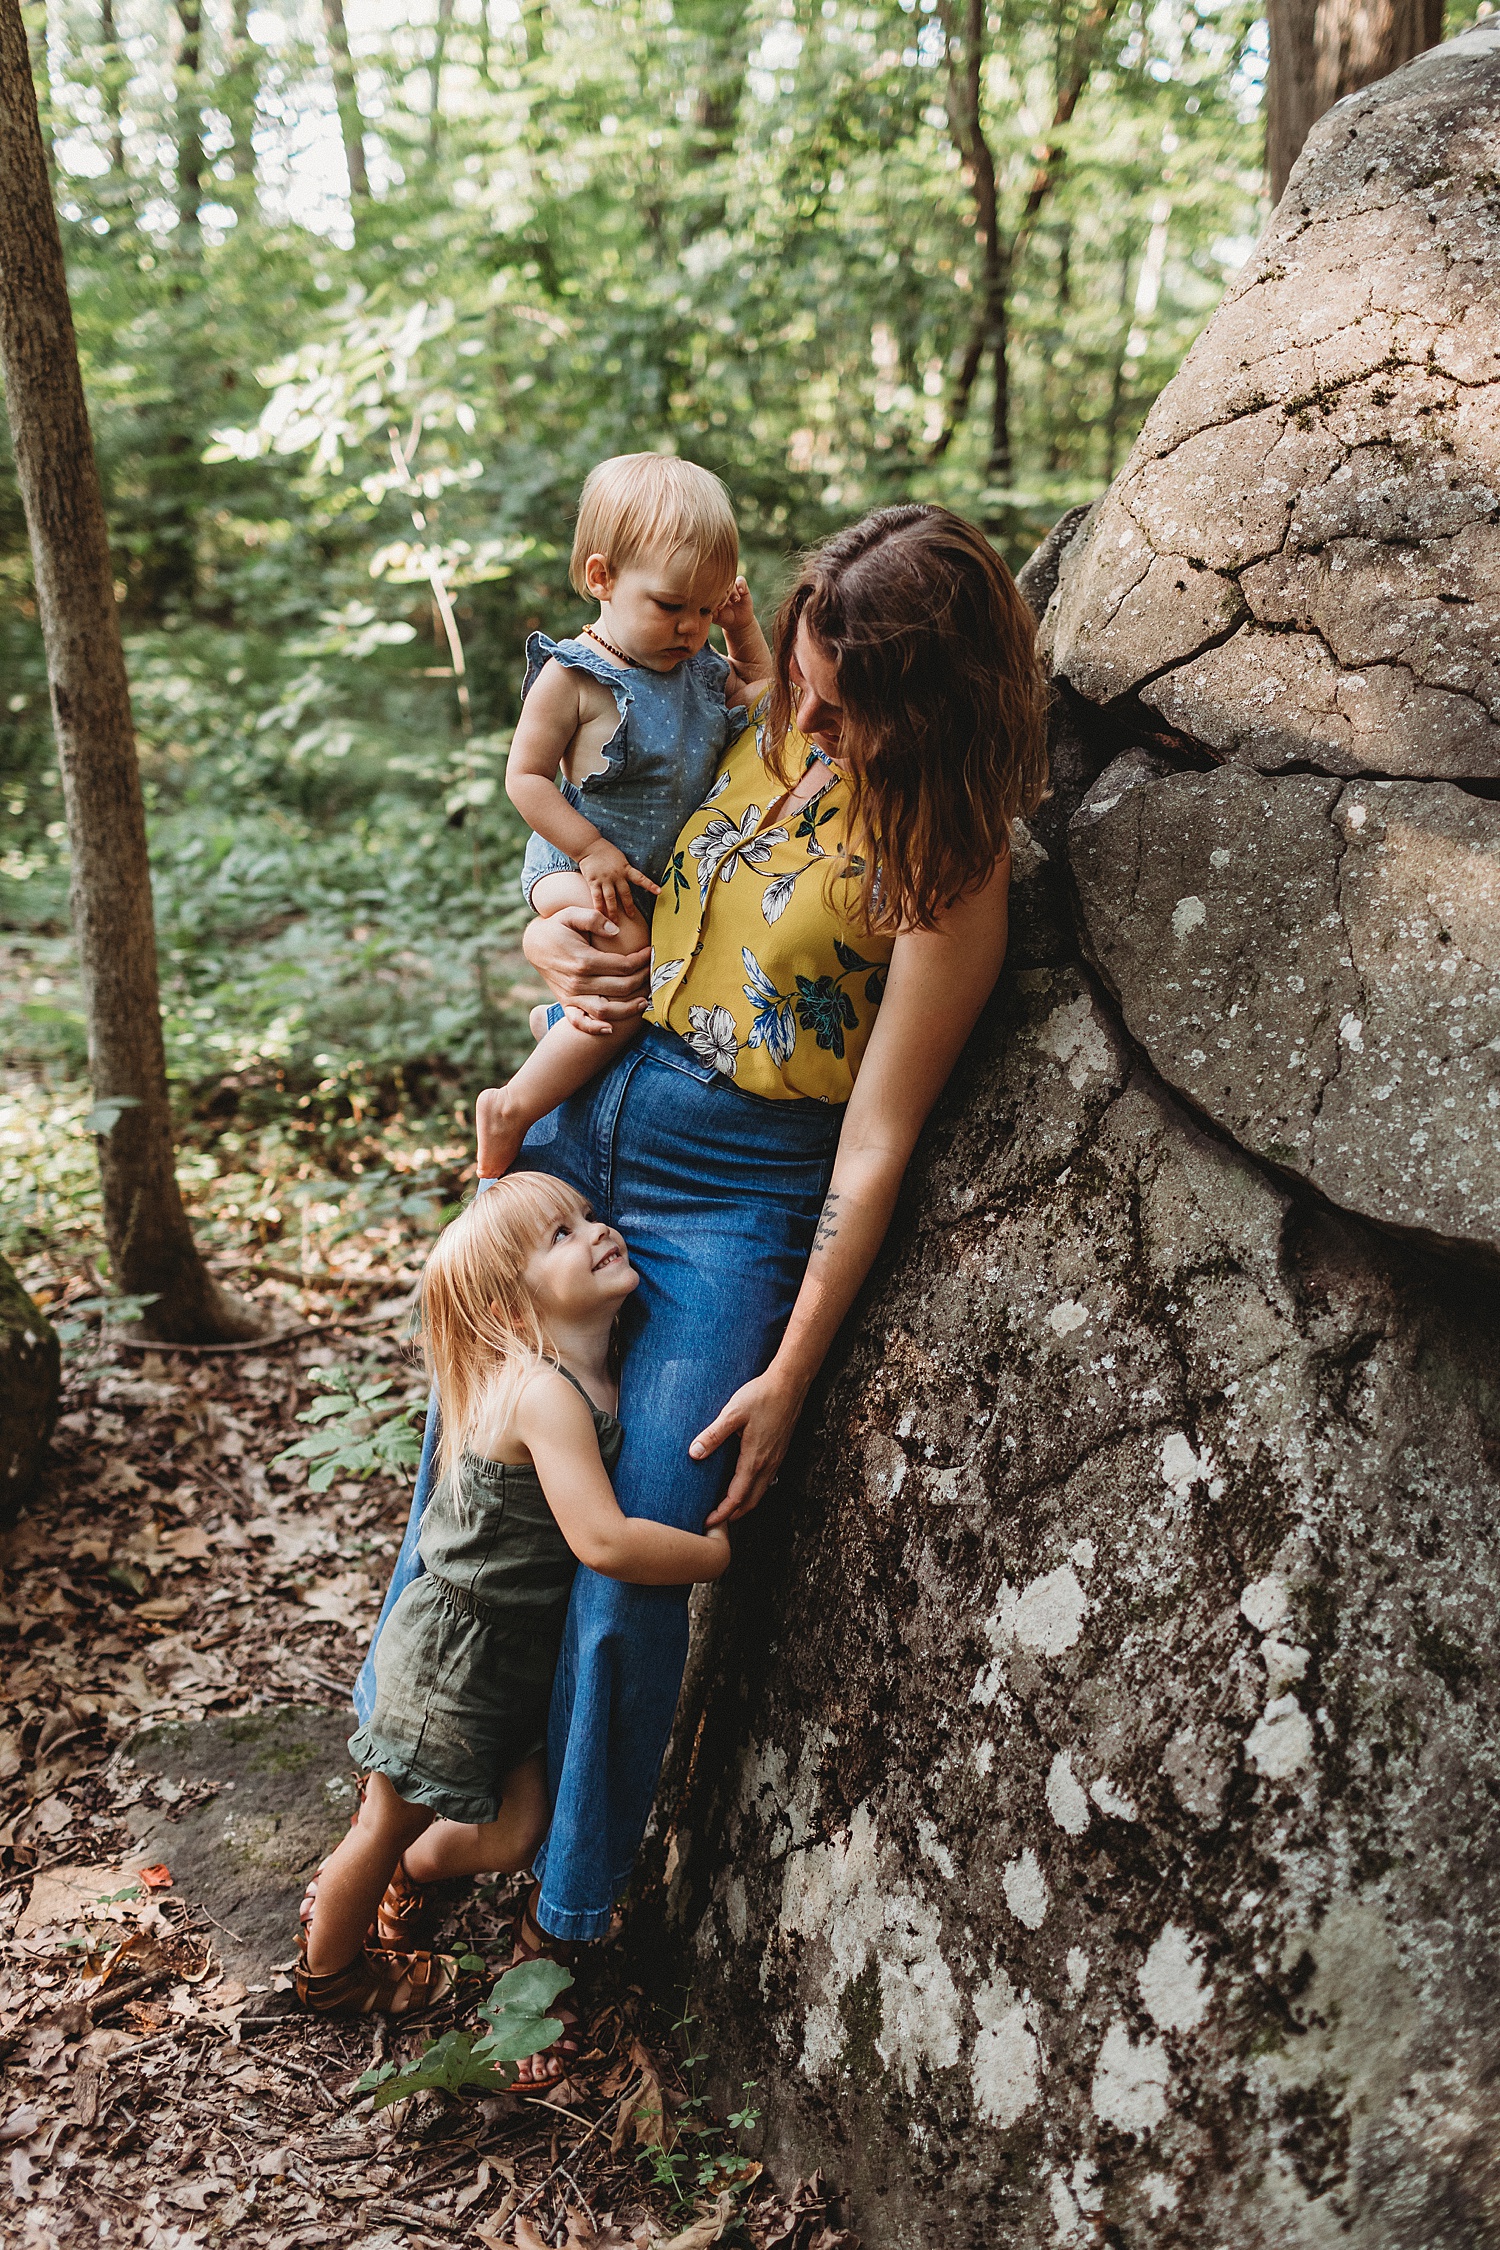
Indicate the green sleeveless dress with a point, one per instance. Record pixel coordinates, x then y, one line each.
463 1669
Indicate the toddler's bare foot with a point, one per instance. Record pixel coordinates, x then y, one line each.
538 1020
501 1131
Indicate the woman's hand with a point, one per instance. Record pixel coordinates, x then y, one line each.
763 1412
600 990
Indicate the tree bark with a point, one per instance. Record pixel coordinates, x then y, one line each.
1322 50
351 122
150 1245
435 78
110 87
189 118
241 88
1001 257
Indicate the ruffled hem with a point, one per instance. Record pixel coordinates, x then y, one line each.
370 1755
574 657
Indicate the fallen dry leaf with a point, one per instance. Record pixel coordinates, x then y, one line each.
21 2123
526 2236
190 1544
158 1878
163 1610
649 2116
708 2229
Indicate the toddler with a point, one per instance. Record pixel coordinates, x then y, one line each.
636 714
519 1299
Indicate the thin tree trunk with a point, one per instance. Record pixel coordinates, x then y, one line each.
435 78
351 123
151 1248
242 91
966 122
189 118
35 16
1321 50
1002 258
110 87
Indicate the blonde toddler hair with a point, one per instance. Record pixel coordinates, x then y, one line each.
651 504
479 1322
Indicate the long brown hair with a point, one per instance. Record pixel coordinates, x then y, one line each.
479 1323
943 703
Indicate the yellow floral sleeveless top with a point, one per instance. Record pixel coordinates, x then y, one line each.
752 963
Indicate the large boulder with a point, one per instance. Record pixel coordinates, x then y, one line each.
1084 1820
1315 963
1300 563
1094 1830
30 1375
1298 574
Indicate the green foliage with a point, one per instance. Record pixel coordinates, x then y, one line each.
361 1430
517 2026
689 2157
341 441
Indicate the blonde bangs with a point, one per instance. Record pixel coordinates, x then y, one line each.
641 505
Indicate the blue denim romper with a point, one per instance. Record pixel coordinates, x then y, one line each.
674 729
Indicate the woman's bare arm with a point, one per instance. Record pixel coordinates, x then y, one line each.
939 981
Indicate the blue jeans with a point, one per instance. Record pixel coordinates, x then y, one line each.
717 1194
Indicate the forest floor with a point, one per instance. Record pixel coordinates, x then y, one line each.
175 1573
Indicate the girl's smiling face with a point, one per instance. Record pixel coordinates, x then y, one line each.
579 1268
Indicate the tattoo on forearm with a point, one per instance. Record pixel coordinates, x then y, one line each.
828 1222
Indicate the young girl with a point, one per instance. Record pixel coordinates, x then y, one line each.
636 713
519 1300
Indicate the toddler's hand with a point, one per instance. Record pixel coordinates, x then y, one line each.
609 876
736 612
719 1562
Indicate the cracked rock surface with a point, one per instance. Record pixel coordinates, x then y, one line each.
1316 964
1300 563
1094 1830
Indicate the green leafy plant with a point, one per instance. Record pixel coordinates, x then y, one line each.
687 2152
361 1430
110 1312
459 2063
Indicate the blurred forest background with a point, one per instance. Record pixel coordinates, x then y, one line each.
363 288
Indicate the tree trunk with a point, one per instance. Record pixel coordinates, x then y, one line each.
30 1370
150 1245
1324 49
351 123
241 89
189 119
35 17
435 78
110 87
1002 259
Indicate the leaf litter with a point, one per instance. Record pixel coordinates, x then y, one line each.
193 1556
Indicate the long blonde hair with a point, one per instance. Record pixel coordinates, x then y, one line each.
480 1330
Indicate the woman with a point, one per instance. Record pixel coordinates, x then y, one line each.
832 923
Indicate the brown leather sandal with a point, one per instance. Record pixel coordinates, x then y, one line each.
533 1943
388 1984
407 1918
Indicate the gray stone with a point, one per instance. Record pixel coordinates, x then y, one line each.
1300 563
30 1369
1084 1819
1316 965
285 1792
